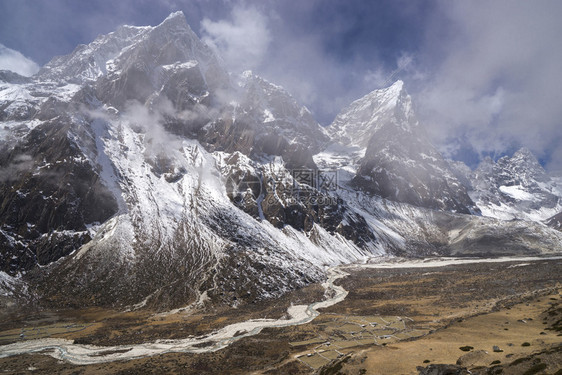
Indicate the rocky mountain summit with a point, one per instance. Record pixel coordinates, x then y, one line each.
514 187
400 163
138 172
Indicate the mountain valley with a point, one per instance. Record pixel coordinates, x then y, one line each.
147 193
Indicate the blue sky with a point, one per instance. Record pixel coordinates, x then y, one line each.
485 76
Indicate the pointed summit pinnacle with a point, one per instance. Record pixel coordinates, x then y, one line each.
178 14
398 85
175 19
524 152
356 124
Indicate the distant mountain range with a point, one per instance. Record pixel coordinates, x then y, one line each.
137 171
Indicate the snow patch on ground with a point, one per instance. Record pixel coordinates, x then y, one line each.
517 192
8 284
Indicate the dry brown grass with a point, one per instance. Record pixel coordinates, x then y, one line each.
460 305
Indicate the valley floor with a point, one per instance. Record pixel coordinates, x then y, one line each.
392 321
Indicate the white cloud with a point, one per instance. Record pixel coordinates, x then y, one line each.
499 81
256 37
241 41
555 165
20 164
376 77
16 62
380 78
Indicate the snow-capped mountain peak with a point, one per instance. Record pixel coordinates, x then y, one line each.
89 62
141 47
356 124
137 172
178 15
524 161
399 162
515 187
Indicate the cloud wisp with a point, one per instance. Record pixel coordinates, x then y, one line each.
16 62
498 84
484 76
241 41
20 164
264 37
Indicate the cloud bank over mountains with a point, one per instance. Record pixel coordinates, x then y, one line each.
498 82
484 76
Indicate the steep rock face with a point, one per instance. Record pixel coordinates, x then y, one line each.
103 167
138 173
135 50
515 187
266 121
555 221
399 164
50 196
270 191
